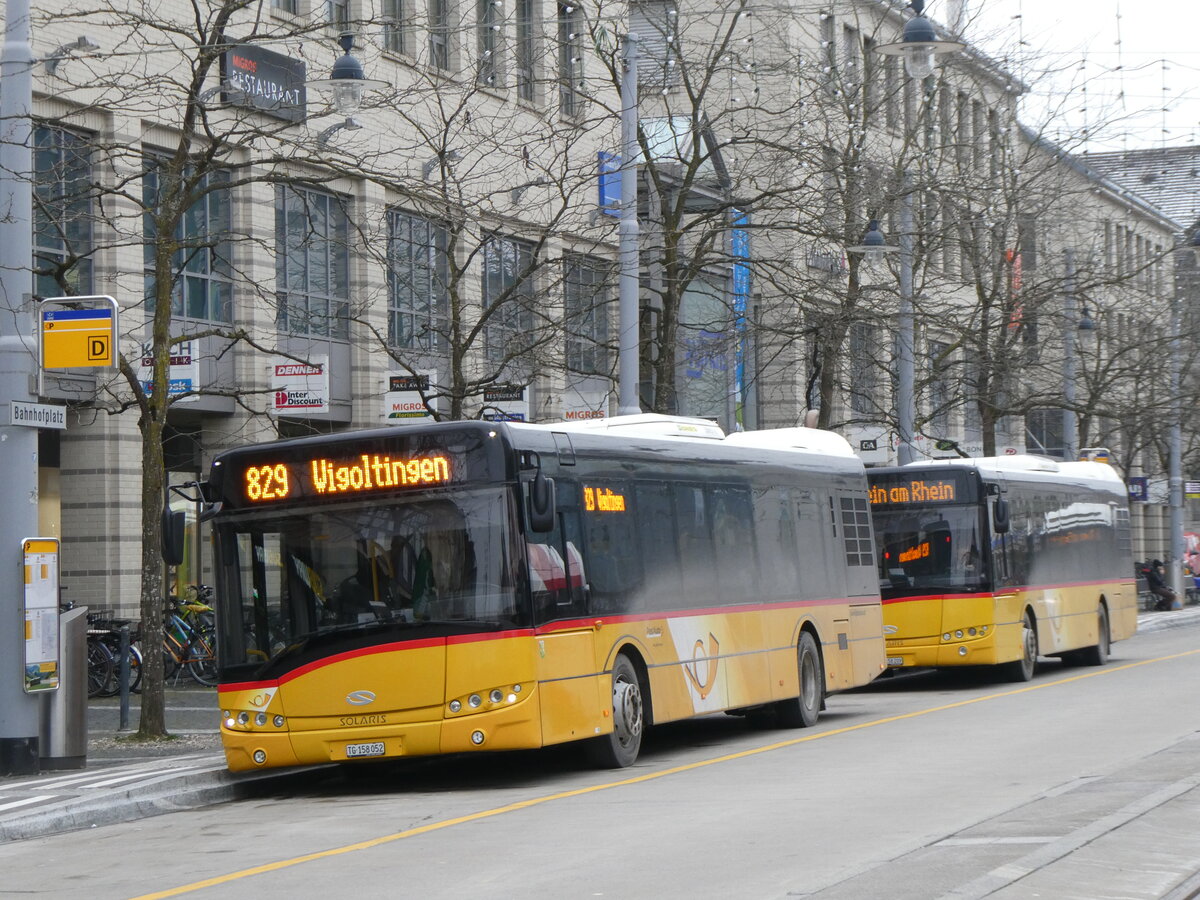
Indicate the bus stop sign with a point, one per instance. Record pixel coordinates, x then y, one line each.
78 337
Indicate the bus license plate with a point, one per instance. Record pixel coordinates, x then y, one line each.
375 748
895 660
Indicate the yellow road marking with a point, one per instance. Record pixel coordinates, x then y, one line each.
649 776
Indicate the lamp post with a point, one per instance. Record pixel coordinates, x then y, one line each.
18 444
628 343
920 46
1070 417
347 82
1175 444
873 247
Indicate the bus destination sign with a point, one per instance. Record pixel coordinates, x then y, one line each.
922 489
265 482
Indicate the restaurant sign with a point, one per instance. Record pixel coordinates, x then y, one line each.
261 79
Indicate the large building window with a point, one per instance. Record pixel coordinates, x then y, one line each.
864 374
488 24
526 48
570 58
587 293
202 254
940 395
656 23
312 263
62 213
397 30
508 294
1044 432
439 34
337 13
418 272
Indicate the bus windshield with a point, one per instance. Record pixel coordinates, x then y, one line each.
922 549
306 572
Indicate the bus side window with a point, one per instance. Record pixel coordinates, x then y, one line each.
696 553
776 540
657 526
612 557
733 542
558 578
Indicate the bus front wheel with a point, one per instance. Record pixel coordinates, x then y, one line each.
620 748
802 711
1022 669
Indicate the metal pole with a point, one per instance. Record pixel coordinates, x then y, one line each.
629 327
123 721
1175 461
1070 420
906 405
18 369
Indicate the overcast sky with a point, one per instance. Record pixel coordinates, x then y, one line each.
1110 61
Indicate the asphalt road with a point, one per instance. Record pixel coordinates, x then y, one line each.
1084 783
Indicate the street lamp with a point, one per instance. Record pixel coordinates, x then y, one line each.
1175 445
873 247
919 45
347 82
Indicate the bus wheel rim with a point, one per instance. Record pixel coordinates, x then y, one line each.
627 710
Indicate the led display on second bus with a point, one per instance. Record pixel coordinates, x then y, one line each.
922 488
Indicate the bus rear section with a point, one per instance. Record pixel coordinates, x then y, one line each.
998 561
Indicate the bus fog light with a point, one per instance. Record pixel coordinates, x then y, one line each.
260 756
243 718
455 706
958 634
229 723
962 651
946 636
512 698
278 720
261 719
474 700
477 737
496 695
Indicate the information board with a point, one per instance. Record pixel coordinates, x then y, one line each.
41 614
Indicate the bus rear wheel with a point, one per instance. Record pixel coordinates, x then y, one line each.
1022 669
620 748
803 711
1097 655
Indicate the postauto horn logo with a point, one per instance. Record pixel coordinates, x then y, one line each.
360 698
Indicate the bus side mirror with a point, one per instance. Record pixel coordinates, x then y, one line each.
173 524
541 504
1000 521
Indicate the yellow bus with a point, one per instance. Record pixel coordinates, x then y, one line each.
998 561
475 586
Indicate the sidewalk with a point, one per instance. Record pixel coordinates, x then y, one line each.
126 780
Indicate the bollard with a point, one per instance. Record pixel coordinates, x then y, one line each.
124 679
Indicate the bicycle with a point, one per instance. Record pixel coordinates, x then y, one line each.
104 656
190 638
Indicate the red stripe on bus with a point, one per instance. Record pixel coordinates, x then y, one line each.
1017 589
590 621
378 648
